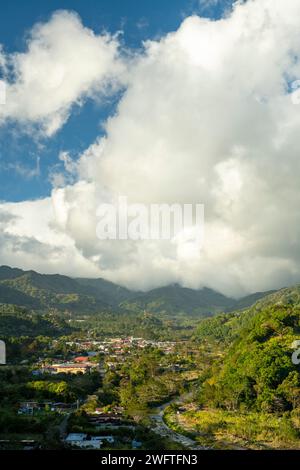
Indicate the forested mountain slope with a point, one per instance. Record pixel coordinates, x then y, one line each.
256 370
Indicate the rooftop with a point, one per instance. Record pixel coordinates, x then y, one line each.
76 437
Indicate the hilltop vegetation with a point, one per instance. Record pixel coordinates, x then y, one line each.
257 371
179 300
17 322
42 292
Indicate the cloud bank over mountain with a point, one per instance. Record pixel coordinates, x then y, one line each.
208 116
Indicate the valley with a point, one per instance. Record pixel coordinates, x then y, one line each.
141 377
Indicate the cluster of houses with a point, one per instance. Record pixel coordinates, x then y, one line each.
101 417
83 441
33 406
80 364
104 421
121 345
113 349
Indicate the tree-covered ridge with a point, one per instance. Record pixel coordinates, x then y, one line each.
176 299
229 326
40 292
256 371
17 322
84 296
9 295
286 296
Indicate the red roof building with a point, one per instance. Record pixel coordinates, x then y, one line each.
81 359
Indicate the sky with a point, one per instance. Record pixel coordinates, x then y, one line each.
164 101
26 165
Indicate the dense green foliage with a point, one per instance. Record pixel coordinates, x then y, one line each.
144 325
256 371
174 299
87 296
41 292
16 321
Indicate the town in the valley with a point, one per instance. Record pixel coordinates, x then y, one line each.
87 393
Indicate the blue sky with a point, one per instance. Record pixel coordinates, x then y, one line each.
24 163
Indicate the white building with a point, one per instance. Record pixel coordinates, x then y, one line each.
81 440
75 439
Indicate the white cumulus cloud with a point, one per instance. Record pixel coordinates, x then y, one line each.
64 63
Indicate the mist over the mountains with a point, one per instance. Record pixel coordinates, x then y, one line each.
206 115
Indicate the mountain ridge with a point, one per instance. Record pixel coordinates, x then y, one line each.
33 290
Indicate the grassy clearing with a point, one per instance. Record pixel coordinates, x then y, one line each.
223 429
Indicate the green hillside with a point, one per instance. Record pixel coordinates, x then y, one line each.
89 296
179 300
39 291
18 322
256 371
106 291
9 295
